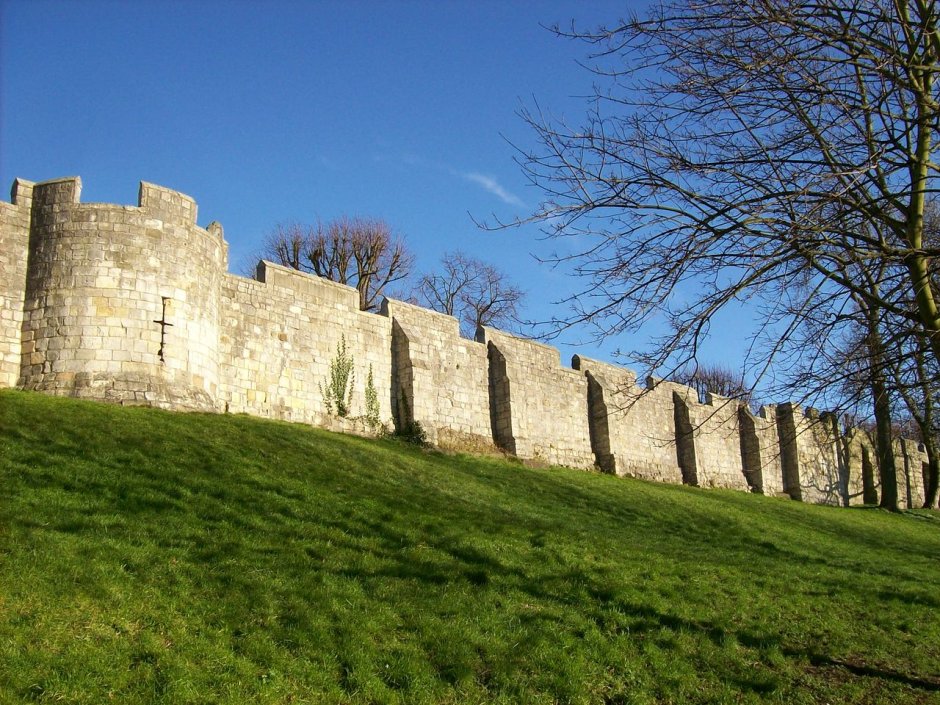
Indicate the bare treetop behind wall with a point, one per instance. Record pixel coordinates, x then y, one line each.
715 378
359 252
743 150
476 293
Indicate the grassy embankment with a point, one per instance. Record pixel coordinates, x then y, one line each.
155 557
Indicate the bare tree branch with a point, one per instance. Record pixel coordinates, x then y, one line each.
359 252
476 293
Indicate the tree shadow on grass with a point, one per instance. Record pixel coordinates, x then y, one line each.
823 521
655 619
910 598
857 667
531 512
612 614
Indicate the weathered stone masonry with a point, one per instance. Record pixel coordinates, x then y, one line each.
97 280
134 304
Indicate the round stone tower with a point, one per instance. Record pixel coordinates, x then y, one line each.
122 302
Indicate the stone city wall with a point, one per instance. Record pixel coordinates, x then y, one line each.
910 464
710 440
99 281
860 456
133 304
633 430
278 336
441 378
813 465
760 450
14 245
539 407
864 482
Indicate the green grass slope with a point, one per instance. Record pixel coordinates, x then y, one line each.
151 557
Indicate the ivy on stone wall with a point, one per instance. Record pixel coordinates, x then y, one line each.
372 402
337 395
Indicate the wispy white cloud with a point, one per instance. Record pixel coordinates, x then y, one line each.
491 185
486 182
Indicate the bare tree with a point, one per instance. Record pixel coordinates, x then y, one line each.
717 379
476 293
287 245
917 382
359 252
888 374
877 365
751 150
737 148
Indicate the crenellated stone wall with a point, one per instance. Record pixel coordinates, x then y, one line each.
539 408
632 428
909 462
814 465
14 248
279 335
441 379
133 304
121 302
863 463
760 450
710 437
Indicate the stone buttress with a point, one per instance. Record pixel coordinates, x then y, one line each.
633 429
539 409
442 380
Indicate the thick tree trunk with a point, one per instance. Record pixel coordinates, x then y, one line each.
926 304
925 420
933 473
884 449
884 445
918 264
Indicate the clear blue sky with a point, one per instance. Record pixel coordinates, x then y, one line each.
277 111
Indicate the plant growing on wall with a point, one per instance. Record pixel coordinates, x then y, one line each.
406 428
337 395
372 401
